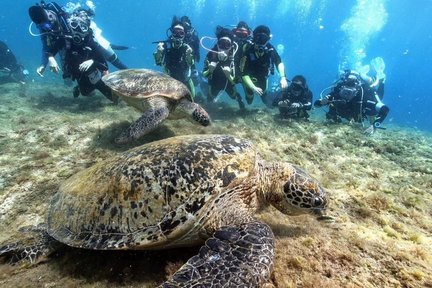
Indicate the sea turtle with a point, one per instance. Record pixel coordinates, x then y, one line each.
179 192
157 95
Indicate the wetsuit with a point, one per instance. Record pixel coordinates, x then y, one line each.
88 80
11 70
176 63
217 80
365 102
289 96
258 67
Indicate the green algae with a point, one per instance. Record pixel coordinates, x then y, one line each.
380 190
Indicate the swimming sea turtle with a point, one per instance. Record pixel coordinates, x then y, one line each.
157 95
179 192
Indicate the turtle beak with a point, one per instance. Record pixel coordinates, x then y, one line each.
322 216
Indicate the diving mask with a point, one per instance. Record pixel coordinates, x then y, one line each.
224 43
178 32
79 25
224 46
46 27
241 33
79 29
297 86
261 39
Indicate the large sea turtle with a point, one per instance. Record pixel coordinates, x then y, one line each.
157 95
178 192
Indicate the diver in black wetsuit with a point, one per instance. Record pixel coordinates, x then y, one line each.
52 22
259 60
353 99
83 60
175 56
219 67
192 39
10 69
295 101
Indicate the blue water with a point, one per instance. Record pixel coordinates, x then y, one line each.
318 36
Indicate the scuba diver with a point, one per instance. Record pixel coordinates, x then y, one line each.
10 69
295 101
83 60
258 60
192 39
354 100
219 67
106 48
242 35
175 56
52 22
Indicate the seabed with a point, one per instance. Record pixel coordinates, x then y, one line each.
381 192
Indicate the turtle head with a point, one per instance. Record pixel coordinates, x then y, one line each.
193 111
200 115
296 192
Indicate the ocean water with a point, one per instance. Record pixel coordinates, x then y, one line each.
318 37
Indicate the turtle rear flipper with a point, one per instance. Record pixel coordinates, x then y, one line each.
233 257
146 123
35 244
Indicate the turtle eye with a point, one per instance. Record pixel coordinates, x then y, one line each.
317 202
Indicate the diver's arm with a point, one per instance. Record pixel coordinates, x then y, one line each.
159 54
247 81
209 67
189 56
45 53
281 70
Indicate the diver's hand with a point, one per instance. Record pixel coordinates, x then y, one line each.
283 83
84 66
258 90
284 103
40 70
160 47
226 70
321 102
212 66
296 105
189 56
52 63
370 130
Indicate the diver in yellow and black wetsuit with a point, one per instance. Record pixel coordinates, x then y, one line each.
175 56
257 62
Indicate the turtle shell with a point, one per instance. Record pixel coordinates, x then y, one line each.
150 196
145 83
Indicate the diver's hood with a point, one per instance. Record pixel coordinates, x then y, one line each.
38 15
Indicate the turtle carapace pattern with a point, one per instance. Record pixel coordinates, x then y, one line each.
183 191
158 96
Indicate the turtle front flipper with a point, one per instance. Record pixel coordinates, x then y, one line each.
234 257
35 244
146 123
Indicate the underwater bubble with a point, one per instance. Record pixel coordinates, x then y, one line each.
280 48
